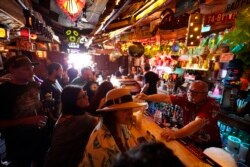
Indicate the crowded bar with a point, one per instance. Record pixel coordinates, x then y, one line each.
123 83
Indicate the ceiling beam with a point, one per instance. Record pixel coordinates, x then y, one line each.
46 13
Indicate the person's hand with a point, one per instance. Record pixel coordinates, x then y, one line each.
38 120
141 96
168 134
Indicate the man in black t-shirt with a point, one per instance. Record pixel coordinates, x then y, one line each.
20 114
121 72
52 88
150 80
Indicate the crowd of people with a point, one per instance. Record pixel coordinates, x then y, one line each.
86 124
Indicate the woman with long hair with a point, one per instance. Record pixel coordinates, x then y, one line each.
111 136
99 97
72 130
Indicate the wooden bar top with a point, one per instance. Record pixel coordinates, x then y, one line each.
187 157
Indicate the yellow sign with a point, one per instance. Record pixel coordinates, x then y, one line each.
2 33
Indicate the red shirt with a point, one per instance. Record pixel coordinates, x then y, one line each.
209 134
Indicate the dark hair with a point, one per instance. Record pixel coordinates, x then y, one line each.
52 67
69 98
101 92
146 67
148 155
110 121
85 69
89 89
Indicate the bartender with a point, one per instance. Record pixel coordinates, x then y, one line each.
121 72
199 115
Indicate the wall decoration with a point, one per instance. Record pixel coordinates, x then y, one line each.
136 50
175 48
25 45
194 29
73 37
41 46
71 8
114 55
238 38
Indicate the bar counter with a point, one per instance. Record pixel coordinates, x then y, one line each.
149 126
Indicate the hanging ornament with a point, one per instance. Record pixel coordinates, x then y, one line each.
72 8
136 50
72 35
114 55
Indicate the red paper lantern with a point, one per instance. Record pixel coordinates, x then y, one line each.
24 32
72 8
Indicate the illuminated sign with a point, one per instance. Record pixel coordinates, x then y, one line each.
73 37
219 18
3 33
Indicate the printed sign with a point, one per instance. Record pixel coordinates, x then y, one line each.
219 18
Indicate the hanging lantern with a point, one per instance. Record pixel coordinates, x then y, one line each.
24 33
72 8
136 50
4 32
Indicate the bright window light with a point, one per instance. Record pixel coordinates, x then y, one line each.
80 60
206 28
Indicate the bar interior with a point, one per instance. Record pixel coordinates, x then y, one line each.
124 83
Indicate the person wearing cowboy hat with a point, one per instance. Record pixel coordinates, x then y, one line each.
111 135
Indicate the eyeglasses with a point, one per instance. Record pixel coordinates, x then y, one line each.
84 95
195 92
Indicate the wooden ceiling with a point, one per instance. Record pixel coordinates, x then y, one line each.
103 16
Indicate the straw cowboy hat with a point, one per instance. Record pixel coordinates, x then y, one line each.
117 99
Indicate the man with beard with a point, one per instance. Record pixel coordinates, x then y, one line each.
86 75
50 93
198 116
